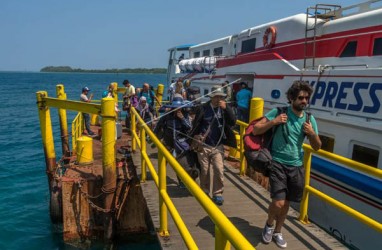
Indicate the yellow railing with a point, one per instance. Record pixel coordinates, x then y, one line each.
77 129
225 232
310 190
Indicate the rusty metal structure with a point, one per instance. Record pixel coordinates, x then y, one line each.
95 193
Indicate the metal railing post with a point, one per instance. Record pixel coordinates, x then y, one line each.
143 150
163 230
60 92
108 162
221 242
133 127
305 197
242 159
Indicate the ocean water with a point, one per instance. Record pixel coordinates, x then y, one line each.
24 196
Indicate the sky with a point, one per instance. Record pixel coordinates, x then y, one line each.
100 34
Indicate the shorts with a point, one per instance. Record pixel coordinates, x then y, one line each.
287 182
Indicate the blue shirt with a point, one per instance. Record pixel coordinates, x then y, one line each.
243 98
291 152
148 95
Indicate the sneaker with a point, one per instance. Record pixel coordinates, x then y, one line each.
218 200
267 233
280 242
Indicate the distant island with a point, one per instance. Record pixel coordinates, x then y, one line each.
135 70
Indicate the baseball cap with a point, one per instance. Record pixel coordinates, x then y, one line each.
85 89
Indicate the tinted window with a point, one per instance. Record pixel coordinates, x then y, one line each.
350 49
248 45
377 49
327 143
196 54
365 155
218 51
206 52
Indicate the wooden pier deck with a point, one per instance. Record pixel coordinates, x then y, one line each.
245 205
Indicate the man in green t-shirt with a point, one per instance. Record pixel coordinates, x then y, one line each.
287 175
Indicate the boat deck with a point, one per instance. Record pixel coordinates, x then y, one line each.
245 205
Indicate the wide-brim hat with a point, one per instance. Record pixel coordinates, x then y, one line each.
217 91
178 102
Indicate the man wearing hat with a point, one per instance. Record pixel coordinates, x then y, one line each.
212 125
84 98
173 127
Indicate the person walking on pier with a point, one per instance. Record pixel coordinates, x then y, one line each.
287 172
243 98
84 98
212 127
127 96
173 127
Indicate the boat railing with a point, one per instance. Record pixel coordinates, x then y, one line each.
376 173
359 8
225 232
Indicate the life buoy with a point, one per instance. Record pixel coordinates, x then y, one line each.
269 43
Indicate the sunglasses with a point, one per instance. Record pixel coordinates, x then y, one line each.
303 97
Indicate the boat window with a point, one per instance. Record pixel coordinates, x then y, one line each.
206 52
327 143
196 54
366 155
377 49
205 92
248 45
350 49
218 51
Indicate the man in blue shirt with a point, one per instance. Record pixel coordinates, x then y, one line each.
243 98
287 174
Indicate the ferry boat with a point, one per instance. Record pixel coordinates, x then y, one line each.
339 51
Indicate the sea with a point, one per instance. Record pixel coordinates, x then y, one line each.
24 196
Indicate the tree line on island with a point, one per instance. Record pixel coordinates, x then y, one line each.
127 70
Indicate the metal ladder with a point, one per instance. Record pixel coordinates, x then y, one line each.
325 12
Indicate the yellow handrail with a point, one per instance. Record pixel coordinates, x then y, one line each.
226 230
310 190
77 129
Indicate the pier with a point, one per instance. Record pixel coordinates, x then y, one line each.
117 185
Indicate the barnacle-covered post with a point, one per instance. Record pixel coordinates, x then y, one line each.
50 157
108 115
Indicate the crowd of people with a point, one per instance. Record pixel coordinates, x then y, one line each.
196 134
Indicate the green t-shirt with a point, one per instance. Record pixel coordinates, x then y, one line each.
290 153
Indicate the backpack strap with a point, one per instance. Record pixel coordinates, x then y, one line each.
284 127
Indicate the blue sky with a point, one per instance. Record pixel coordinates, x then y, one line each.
100 34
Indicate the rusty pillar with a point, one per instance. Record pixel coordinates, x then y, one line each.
50 157
108 164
